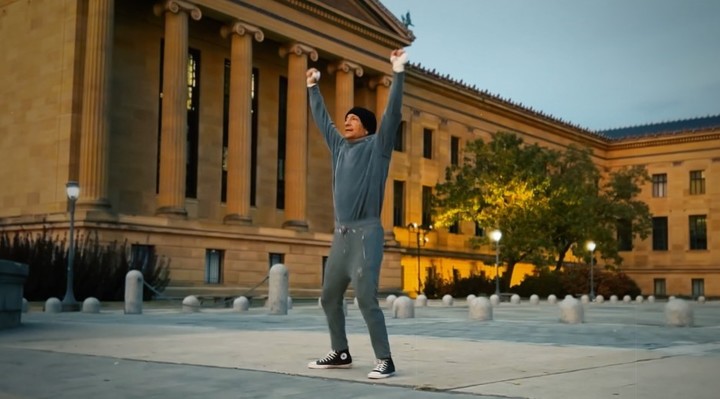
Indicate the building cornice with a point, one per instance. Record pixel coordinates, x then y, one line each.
351 23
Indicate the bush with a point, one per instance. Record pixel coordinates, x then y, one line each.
99 270
575 280
542 283
477 284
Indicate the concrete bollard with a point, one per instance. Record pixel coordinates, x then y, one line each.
639 299
494 300
585 299
25 306
241 304
190 304
133 292
91 305
13 276
701 299
571 311
470 298
421 300
651 299
552 299
481 309
403 308
390 300
599 299
515 299
678 313
627 299
278 289
447 300
613 298
53 305
534 299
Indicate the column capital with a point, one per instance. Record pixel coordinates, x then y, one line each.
382 80
241 28
176 6
346 66
299 49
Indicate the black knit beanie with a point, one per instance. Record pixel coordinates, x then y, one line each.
366 117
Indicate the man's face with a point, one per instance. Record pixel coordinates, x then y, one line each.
354 128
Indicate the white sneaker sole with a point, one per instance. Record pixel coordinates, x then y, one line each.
377 376
313 365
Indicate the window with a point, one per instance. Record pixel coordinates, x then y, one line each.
698 232
275 258
400 137
142 257
282 127
624 235
659 287
659 185
193 121
213 265
454 228
426 206
660 233
697 182
479 231
454 150
698 287
398 203
427 143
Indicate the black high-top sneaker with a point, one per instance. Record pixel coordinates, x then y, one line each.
333 360
384 368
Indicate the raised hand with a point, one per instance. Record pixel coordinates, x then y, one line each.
398 58
313 76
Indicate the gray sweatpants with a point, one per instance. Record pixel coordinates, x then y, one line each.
355 257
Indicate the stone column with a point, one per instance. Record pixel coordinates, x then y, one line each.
171 196
381 85
239 137
95 126
297 120
345 72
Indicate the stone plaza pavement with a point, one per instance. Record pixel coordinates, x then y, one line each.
621 351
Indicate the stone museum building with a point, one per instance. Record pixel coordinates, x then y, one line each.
186 126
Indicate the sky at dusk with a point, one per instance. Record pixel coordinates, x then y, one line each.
599 64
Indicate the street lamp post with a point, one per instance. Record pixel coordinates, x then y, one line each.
421 239
69 303
495 236
591 248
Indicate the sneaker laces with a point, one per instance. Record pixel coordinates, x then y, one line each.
381 365
329 357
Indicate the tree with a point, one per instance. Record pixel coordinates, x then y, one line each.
619 207
546 202
502 184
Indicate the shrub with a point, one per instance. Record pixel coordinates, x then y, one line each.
436 287
543 282
99 270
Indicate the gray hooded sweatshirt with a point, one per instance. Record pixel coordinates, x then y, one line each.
360 167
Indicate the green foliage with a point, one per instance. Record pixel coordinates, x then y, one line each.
546 202
436 287
99 269
575 280
542 283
